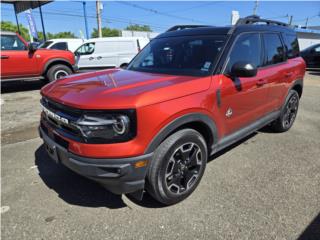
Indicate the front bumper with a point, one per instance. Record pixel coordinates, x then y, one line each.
116 175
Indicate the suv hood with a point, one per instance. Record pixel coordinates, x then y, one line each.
118 89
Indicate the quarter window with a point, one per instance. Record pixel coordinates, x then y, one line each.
274 51
246 48
292 46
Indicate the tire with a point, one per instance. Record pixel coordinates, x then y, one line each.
177 167
57 71
288 113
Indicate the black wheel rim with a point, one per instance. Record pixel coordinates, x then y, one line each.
183 168
290 111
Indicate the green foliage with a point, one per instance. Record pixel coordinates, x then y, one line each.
137 27
11 27
106 32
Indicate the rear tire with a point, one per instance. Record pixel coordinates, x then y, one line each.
177 167
58 71
288 113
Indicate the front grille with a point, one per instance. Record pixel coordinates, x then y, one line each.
67 130
56 138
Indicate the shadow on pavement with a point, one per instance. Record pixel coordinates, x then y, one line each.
19 86
77 190
312 232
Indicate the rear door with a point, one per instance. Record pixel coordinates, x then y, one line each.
243 100
276 69
16 60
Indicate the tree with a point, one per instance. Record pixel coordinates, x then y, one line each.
137 27
11 27
106 32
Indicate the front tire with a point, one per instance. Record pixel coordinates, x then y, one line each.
58 71
288 113
177 166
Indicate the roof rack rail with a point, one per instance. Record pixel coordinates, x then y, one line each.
182 27
256 19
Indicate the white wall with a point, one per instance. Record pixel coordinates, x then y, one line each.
307 39
125 33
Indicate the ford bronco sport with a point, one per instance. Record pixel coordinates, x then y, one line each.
22 61
189 93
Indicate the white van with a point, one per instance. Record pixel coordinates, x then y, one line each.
71 44
109 52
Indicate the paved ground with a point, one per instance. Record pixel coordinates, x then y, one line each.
266 187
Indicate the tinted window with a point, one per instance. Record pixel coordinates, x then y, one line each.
292 46
86 49
274 51
187 55
60 46
246 48
317 49
11 42
45 44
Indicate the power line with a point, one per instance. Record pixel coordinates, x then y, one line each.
157 12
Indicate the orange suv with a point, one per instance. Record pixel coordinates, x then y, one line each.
189 93
20 60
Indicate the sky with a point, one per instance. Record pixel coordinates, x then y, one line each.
161 15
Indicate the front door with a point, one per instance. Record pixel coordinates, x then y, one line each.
85 55
243 100
16 60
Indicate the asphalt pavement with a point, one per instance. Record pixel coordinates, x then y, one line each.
264 187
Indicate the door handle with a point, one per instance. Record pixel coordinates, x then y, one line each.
91 58
99 57
261 82
4 56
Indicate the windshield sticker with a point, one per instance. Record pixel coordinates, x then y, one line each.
206 66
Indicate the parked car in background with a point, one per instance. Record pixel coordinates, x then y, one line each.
71 44
20 60
187 95
311 56
109 52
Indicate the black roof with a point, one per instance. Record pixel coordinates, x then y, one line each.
248 24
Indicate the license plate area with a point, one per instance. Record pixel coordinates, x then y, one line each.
52 151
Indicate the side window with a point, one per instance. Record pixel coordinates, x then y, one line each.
86 49
11 42
292 46
317 49
246 48
274 50
60 46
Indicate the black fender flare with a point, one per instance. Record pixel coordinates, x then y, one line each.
180 121
298 82
45 68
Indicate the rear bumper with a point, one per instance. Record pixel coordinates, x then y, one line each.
116 175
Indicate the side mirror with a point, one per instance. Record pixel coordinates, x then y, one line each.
32 47
243 69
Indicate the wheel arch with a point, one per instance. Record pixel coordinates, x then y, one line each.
298 86
55 61
197 121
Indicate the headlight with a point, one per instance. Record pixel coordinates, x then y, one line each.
107 128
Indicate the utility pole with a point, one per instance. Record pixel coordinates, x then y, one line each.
256 3
307 22
85 18
98 9
290 20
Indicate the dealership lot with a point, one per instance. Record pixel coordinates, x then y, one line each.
266 187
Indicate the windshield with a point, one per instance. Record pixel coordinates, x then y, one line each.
185 55
45 44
